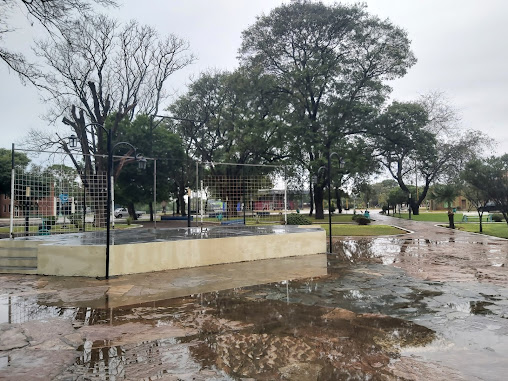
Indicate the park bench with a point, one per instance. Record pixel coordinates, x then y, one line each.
470 216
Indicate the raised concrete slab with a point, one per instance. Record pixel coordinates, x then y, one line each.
148 250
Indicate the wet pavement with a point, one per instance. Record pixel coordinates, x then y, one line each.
432 304
128 236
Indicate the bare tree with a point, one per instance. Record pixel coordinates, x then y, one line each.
100 74
53 15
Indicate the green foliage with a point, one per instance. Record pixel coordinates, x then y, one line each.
21 161
135 185
77 220
445 194
129 220
397 196
362 220
329 63
298 219
497 217
488 177
235 117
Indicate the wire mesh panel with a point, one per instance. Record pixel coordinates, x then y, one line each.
244 199
58 200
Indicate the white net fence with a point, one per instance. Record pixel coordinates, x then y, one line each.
56 199
239 198
56 203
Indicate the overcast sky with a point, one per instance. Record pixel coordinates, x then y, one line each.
460 45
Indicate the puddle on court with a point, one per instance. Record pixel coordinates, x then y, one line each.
360 320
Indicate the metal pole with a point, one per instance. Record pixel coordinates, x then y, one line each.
285 198
155 193
409 206
84 208
108 203
13 174
197 190
112 198
201 202
243 198
329 203
189 191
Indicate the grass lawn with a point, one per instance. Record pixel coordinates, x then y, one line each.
362 230
497 229
425 216
276 219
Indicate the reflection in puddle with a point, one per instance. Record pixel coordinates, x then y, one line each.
259 338
472 308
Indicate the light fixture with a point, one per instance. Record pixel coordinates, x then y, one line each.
73 141
141 161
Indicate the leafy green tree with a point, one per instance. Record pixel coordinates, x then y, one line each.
490 178
447 194
478 198
231 118
134 186
413 146
329 63
21 161
396 197
381 191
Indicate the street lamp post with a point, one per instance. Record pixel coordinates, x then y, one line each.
142 163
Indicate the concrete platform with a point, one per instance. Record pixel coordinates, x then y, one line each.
147 250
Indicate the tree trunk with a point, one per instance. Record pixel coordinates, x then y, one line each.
150 207
339 201
132 211
415 207
181 193
318 202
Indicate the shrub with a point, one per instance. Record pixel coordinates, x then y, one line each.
298 219
77 220
361 220
129 220
497 217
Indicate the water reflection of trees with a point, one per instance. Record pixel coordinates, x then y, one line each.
353 251
248 332
338 342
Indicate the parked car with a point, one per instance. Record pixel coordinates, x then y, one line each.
121 212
